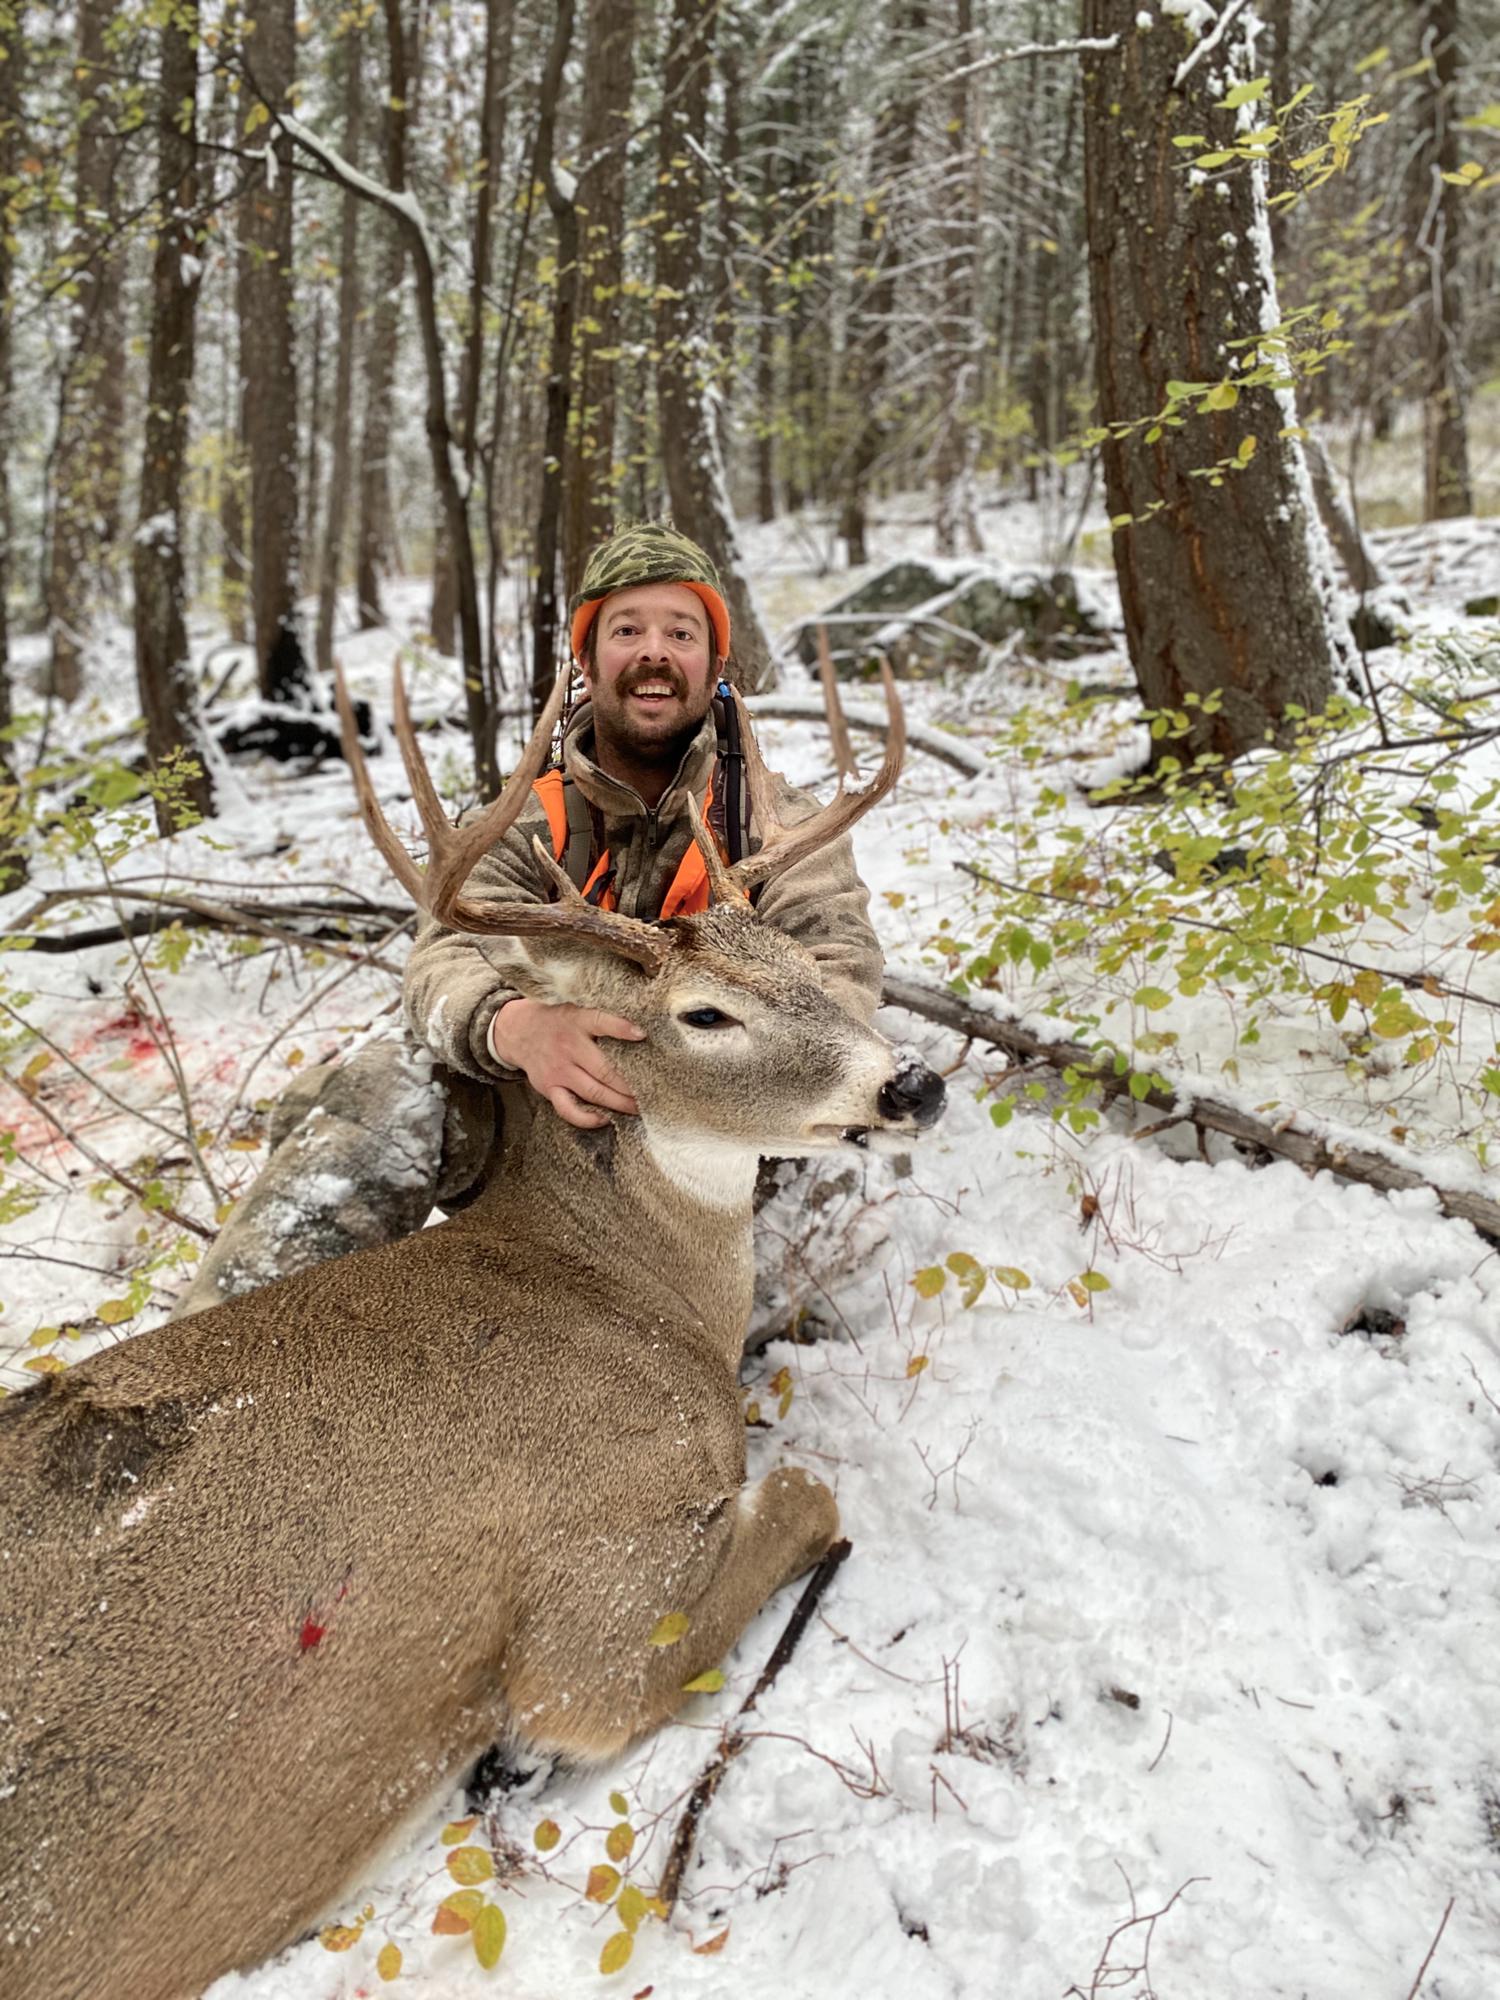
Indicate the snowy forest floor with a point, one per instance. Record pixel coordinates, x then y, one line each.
1165 1658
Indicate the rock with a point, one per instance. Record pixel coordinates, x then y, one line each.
925 618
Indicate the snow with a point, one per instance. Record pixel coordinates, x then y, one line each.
1186 1588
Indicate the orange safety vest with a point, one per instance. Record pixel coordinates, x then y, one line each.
688 890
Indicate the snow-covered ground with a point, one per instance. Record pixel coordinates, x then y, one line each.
1165 1660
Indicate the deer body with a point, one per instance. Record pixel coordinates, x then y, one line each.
274 1575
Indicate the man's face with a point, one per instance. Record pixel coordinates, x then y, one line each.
652 673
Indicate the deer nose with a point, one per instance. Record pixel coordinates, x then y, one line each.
914 1092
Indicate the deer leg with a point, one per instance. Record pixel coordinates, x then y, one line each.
775 1532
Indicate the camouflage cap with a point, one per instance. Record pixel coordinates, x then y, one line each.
648 552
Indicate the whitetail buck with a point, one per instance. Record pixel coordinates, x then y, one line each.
274 1575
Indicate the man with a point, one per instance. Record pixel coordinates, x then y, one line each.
363 1151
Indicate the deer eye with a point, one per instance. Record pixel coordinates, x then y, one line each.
707 1017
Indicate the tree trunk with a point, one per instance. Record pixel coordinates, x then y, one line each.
164 673
1445 432
956 450
544 606
86 461
1224 578
591 486
268 364
334 528
375 533
870 321
690 453
13 868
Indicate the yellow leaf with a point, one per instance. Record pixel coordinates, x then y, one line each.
930 1281
547 1835
668 1630
458 1830
1080 1296
631 1907
705 1683
255 117
339 1937
602 1883
43 1337
37 1064
917 1363
469 1865
619 1840
244 1146
114 1310
46 1364
616 1953
388 1963
619 1805
714 1944
657 1908
489 1935
456 1913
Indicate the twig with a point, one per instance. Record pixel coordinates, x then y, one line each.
702 1794
1287 1142
1164 1742
116 1174
1431 1951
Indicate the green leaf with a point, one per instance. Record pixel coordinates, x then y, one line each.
546 1837
929 1281
1150 997
1093 1281
471 1865
616 1953
1246 93
1222 396
488 1933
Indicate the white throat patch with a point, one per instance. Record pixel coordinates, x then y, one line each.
718 1172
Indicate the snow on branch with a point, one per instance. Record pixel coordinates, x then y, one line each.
1088 45
1209 41
401 203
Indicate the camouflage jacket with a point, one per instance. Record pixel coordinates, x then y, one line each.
453 992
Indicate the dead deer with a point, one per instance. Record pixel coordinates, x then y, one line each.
273 1576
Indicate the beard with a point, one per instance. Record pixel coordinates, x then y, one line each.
660 734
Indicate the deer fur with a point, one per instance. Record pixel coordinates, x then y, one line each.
274 1575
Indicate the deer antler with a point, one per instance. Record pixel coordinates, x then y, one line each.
454 851
783 845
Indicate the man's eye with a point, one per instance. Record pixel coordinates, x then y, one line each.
707 1017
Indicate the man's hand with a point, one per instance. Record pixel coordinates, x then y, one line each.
555 1048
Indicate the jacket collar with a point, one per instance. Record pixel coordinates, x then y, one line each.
617 800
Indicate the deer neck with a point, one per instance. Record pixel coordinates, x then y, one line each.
668 1213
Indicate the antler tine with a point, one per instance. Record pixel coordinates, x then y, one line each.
454 851
400 863
838 729
574 916
722 887
784 845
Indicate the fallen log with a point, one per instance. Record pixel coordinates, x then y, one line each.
951 750
1286 1142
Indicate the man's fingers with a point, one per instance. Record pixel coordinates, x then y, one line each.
594 1021
590 1086
569 1107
